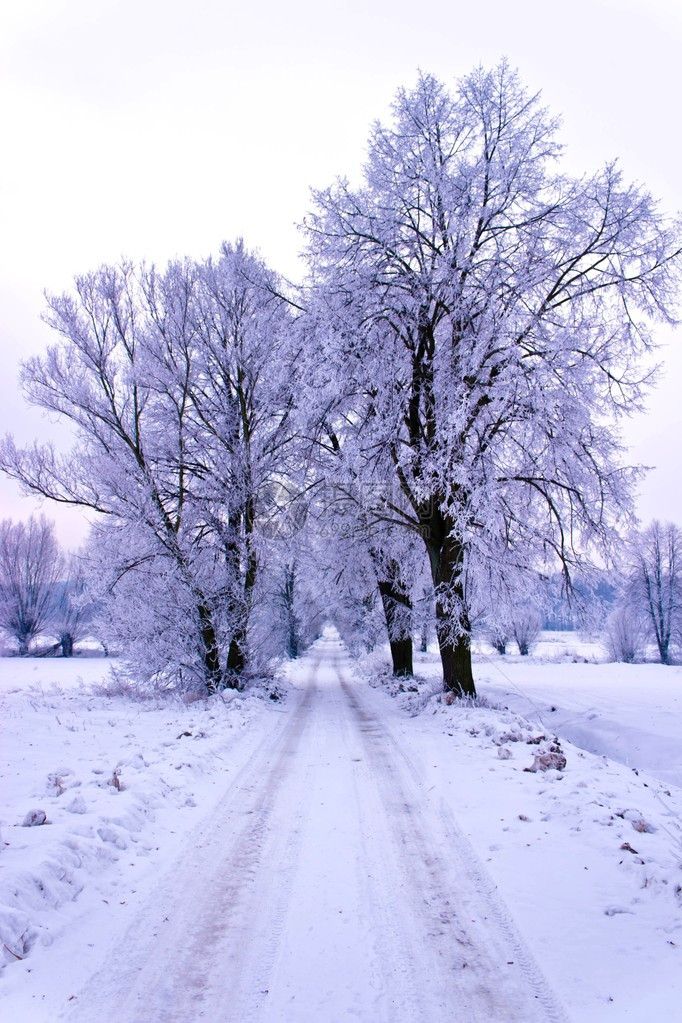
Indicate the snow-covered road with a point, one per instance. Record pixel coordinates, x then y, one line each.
328 884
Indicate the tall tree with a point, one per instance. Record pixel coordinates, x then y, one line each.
654 584
72 610
243 403
173 379
31 569
487 321
343 490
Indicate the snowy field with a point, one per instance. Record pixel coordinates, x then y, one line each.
352 851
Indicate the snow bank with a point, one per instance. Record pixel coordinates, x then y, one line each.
589 857
628 712
119 779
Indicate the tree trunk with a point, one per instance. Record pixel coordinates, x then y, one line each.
211 654
401 657
236 659
237 652
398 612
289 604
66 643
446 557
663 650
455 655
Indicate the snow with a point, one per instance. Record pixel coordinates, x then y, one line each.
630 713
121 780
343 853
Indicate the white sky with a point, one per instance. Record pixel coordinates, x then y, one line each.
156 128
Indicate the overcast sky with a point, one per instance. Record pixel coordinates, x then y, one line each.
156 128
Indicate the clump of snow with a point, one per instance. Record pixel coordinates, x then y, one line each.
34 818
548 761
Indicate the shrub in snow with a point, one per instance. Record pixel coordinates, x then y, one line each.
469 701
16 936
123 681
498 636
526 626
625 636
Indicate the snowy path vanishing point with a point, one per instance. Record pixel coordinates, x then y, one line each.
327 886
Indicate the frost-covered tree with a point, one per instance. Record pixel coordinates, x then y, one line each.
31 568
506 605
498 636
346 494
396 601
367 547
486 322
653 585
425 616
243 404
175 382
526 626
292 614
625 635
72 609
288 607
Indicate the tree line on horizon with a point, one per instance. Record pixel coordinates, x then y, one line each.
47 604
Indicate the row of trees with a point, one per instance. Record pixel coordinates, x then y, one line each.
433 411
638 606
635 606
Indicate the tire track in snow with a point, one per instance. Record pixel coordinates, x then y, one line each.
324 887
486 970
404 973
195 950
